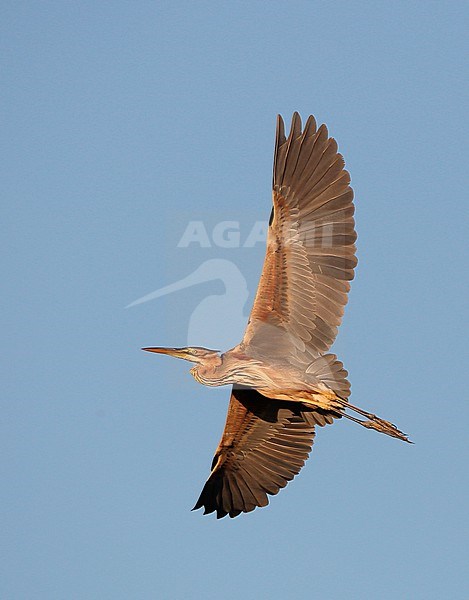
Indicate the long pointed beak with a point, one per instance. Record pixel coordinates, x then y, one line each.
176 352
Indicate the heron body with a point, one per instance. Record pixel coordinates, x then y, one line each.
267 378
285 381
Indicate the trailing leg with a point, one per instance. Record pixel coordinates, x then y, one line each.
373 422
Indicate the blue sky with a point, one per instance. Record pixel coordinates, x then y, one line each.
123 123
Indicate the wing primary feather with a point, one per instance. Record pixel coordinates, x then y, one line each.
279 141
295 131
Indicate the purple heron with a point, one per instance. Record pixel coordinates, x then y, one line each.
285 381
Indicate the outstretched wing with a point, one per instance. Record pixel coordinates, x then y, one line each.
264 445
310 248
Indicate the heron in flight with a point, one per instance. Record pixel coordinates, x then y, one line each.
284 380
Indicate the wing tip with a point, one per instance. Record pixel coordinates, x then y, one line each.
295 127
280 131
310 126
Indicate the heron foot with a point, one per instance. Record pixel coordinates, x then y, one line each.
374 422
386 427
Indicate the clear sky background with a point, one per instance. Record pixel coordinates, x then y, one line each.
122 123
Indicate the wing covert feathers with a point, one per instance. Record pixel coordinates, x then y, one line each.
264 445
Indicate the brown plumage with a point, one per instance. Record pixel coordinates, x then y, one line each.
284 380
264 445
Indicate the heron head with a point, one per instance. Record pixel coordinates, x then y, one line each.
194 354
